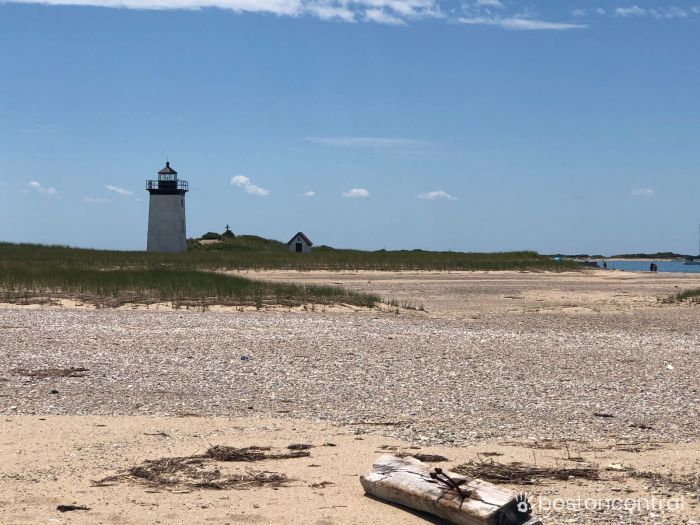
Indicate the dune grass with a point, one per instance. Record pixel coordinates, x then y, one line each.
114 287
691 296
29 271
255 253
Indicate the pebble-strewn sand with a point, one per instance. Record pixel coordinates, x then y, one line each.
518 360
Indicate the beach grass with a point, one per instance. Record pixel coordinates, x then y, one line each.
692 296
115 287
251 253
202 274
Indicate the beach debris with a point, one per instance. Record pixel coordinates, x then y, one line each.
224 453
299 446
521 474
683 483
51 372
194 472
616 467
605 415
447 495
429 458
71 508
321 485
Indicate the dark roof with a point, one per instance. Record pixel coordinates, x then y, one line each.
300 234
167 170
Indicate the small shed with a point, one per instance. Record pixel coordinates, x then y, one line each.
300 243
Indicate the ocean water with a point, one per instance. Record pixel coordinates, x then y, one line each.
643 266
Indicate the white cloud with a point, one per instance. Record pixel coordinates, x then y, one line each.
279 7
520 23
660 13
120 191
435 195
581 12
369 142
38 188
330 12
356 193
310 194
643 192
381 17
380 11
494 13
633 10
244 183
490 3
95 200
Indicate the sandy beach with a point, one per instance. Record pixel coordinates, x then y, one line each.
550 370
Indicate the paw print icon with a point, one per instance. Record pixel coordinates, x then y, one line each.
521 503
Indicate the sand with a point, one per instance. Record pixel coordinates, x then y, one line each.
170 383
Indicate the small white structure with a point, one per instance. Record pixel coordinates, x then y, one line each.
166 212
300 243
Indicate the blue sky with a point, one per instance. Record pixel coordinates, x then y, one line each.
567 126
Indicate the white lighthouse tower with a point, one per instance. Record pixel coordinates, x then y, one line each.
166 212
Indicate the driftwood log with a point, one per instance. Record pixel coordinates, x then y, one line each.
459 500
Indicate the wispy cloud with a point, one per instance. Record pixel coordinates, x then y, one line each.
436 195
490 3
370 142
356 193
646 193
120 191
310 194
36 187
633 10
391 12
517 23
244 183
95 200
382 17
660 13
504 14
583 12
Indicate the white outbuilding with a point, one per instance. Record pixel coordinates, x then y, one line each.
300 243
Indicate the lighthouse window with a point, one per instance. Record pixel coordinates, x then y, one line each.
182 203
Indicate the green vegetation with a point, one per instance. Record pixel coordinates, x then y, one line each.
691 296
658 255
211 236
250 252
179 286
242 243
29 271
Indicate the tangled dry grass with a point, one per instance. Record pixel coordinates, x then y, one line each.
201 471
521 474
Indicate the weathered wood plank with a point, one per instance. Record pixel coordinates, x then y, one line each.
408 482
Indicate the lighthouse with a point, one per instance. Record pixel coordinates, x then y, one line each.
166 212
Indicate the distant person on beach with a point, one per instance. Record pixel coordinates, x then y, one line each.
653 267
605 265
